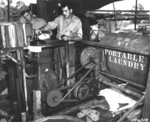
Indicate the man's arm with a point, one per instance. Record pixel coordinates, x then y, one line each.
45 27
71 38
50 25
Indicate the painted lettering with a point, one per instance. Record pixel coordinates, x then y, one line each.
130 64
136 65
126 59
124 63
120 61
124 56
142 66
106 51
127 39
141 58
110 60
129 56
134 57
119 54
115 60
114 53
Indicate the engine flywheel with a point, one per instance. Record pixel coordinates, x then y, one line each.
88 54
53 98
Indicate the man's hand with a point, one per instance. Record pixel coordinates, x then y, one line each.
65 38
71 38
38 32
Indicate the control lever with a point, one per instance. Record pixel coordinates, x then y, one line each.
10 57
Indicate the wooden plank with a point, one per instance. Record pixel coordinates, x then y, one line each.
37 104
146 113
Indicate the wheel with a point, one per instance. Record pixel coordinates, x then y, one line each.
87 54
53 98
82 91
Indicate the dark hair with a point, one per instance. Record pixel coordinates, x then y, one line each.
67 3
24 11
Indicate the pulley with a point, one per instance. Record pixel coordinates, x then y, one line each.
89 53
82 91
53 98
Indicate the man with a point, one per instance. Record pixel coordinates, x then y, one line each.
37 23
69 28
27 16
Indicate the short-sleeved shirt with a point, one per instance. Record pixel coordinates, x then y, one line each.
38 23
68 27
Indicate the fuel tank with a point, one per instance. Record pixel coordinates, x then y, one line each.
125 55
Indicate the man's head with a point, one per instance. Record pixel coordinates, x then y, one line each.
27 15
66 9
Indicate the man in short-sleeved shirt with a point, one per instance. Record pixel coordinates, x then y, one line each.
68 25
37 23
27 16
69 28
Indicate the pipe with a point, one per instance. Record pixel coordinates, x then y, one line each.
8 10
124 80
135 15
24 79
125 90
115 14
118 11
131 109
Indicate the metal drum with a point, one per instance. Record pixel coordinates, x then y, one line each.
14 34
124 56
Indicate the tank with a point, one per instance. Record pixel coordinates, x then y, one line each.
125 56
